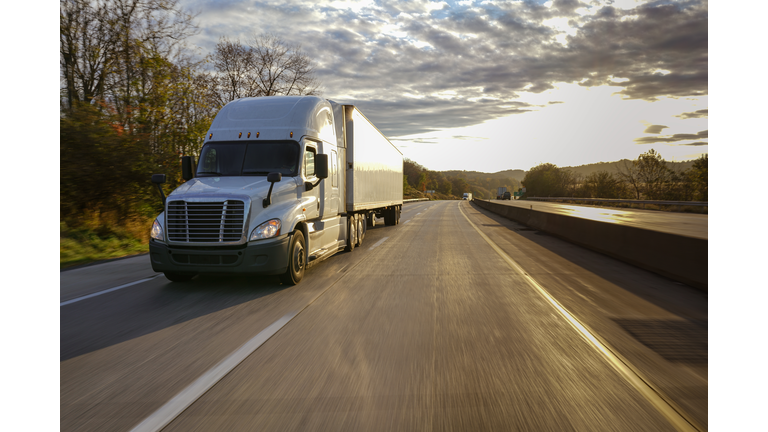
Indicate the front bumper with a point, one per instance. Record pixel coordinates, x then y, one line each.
268 257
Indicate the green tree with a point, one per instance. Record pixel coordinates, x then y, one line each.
603 184
698 175
547 180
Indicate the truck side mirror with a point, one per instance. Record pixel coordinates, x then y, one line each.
159 179
187 167
272 178
321 166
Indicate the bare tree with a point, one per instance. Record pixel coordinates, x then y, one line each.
282 69
628 172
265 66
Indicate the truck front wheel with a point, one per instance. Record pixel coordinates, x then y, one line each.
178 277
297 260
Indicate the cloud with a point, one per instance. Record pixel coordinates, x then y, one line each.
672 138
695 114
655 129
486 54
697 143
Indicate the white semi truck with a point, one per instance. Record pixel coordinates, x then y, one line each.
283 182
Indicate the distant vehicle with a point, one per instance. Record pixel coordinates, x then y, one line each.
500 192
283 182
467 196
506 196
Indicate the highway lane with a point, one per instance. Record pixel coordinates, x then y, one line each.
687 224
429 330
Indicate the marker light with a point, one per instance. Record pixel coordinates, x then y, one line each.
249 134
210 136
257 134
291 134
240 135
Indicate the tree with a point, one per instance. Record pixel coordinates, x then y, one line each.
698 175
653 174
603 184
547 180
265 66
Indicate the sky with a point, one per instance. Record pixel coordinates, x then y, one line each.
496 85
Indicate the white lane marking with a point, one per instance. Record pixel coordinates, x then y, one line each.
406 221
417 214
107 291
378 243
160 418
674 415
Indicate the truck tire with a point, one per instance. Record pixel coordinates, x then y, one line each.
361 228
397 215
179 277
371 219
297 260
351 233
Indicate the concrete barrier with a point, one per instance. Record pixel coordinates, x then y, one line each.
677 257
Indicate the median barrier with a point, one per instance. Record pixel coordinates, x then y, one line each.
677 257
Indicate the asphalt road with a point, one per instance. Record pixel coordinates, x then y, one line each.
687 224
427 326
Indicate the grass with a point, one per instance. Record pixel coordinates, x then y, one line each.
83 245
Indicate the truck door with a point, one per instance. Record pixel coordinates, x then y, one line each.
332 192
310 199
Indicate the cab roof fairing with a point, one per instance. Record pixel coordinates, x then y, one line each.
274 118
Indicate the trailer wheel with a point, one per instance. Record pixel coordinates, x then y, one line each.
397 215
371 219
351 233
179 277
297 260
361 228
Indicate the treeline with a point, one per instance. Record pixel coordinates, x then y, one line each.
648 178
417 180
134 99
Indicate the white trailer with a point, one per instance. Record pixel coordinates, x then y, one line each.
283 182
500 192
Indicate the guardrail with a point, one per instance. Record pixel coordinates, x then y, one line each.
677 257
415 199
623 201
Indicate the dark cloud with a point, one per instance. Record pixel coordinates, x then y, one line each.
555 102
655 129
672 138
695 114
697 143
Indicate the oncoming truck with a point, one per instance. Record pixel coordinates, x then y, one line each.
282 183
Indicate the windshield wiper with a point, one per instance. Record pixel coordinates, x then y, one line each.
255 172
209 172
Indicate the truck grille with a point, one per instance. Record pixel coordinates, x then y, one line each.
205 222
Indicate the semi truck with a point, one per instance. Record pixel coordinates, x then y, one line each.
282 183
467 196
500 192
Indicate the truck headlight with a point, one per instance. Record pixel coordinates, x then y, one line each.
157 231
268 229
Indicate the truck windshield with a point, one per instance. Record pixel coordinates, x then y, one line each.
221 159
